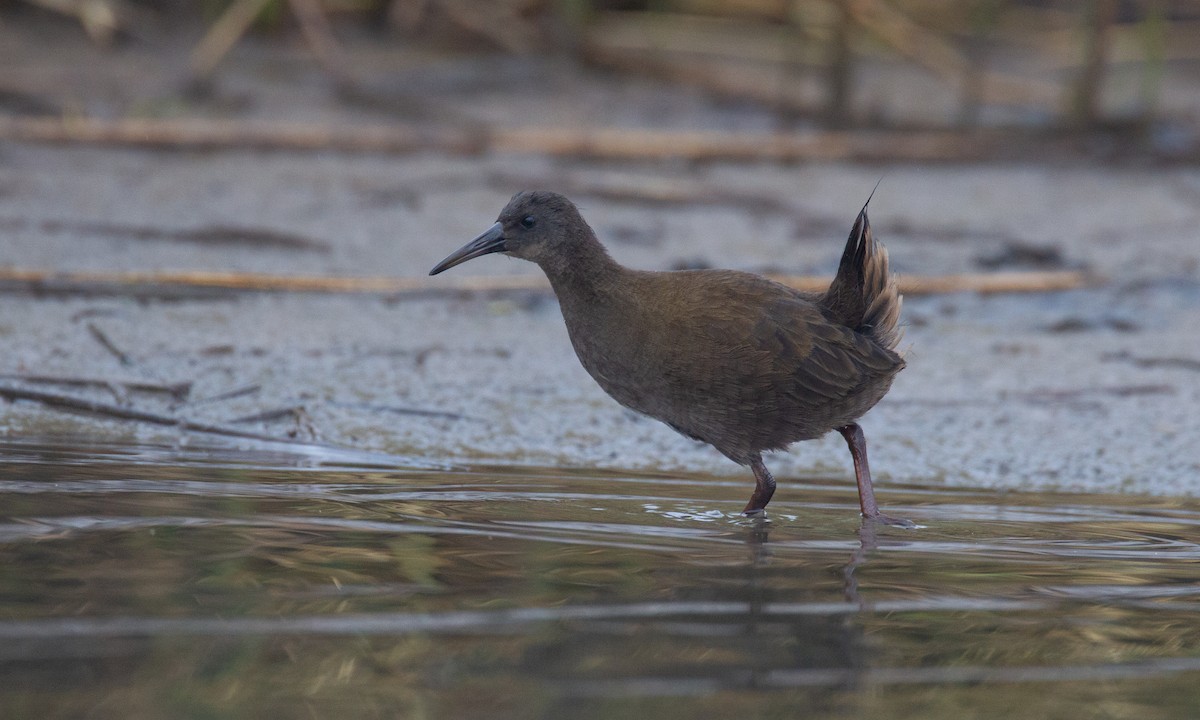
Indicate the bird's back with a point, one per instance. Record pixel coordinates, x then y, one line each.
729 358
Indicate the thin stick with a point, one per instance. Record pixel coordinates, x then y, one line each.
319 35
401 410
205 235
581 142
227 395
632 188
200 133
130 283
222 36
177 390
269 415
117 412
108 345
995 283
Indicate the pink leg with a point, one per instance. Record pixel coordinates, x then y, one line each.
862 473
764 488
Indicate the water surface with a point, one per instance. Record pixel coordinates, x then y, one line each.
154 582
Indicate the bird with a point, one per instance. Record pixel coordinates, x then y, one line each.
729 358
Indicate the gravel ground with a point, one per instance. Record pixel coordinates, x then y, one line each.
1088 389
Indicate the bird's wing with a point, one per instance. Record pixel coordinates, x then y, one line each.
822 360
754 342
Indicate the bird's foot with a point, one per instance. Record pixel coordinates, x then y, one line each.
882 519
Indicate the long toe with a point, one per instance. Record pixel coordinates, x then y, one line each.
889 520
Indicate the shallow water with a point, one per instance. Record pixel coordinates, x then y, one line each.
155 582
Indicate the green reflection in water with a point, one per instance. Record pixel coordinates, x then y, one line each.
207 585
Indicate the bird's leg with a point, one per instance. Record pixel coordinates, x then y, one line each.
862 473
764 487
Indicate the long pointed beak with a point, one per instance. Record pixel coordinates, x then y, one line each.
492 240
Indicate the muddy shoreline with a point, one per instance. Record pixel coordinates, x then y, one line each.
1086 389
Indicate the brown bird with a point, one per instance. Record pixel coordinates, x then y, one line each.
730 358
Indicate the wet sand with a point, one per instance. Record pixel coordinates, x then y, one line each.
1092 389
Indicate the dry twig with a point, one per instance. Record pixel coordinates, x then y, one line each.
577 142
236 20
227 395
116 412
401 410
133 283
178 391
108 344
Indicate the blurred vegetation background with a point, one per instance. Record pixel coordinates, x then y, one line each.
1123 68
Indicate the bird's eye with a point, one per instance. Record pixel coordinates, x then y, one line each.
528 221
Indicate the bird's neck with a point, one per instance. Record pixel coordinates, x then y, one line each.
589 274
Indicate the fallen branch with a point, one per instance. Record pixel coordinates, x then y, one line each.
1050 395
652 191
215 134
1178 363
205 235
826 145
178 391
298 414
291 411
108 344
227 395
581 142
401 410
995 283
168 283
116 412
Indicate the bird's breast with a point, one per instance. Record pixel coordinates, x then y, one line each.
615 355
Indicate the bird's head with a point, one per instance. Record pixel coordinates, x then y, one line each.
539 226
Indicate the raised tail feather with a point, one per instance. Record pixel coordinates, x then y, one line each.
863 295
